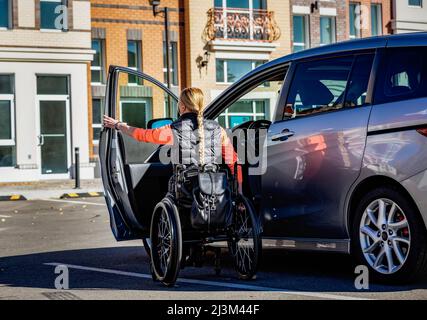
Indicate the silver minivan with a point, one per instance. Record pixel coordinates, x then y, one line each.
346 150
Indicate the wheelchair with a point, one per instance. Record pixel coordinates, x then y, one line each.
175 243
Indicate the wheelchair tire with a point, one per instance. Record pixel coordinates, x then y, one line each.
245 244
166 242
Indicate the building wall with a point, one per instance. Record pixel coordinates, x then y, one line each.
337 9
196 17
26 51
408 19
386 16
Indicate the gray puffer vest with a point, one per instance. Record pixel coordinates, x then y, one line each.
186 141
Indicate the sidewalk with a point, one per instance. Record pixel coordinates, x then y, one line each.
49 188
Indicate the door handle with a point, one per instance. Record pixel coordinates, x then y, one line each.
41 140
282 136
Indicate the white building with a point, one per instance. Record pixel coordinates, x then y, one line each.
409 16
45 51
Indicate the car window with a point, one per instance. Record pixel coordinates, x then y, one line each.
402 75
138 104
257 104
318 86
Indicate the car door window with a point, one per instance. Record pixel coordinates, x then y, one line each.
359 81
318 86
137 105
402 75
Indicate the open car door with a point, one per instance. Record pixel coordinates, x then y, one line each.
134 179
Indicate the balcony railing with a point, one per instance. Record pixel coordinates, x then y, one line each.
241 24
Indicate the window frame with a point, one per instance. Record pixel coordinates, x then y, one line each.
138 55
253 114
333 32
174 62
379 18
97 125
225 60
292 73
358 30
11 98
306 21
9 16
62 2
414 5
100 68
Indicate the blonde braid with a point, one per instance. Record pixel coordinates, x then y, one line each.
193 99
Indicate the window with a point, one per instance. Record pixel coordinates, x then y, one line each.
134 60
300 28
243 111
376 19
174 62
134 113
354 18
402 75
327 30
230 70
97 65
7 121
51 15
256 4
318 86
359 80
52 85
415 3
5 12
97 112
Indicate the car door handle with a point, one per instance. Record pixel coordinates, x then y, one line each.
282 136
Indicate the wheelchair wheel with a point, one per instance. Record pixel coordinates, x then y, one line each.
166 242
245 244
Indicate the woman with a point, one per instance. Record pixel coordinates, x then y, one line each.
192 146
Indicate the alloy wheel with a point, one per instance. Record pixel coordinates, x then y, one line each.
385 237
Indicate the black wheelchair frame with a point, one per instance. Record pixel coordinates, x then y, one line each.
176 244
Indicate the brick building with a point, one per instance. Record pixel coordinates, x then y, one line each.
126 33
322 22
44 59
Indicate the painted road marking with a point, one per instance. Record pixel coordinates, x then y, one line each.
229 285
3 216
77 202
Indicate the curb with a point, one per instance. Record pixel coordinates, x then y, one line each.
81 195
13 197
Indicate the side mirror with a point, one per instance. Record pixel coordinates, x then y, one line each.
157 123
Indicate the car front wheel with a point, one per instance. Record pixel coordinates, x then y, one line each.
389 236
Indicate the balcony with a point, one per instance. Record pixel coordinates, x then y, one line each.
241 24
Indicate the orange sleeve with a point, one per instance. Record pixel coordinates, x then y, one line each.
230 156
162 135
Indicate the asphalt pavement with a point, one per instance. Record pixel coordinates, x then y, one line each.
36 236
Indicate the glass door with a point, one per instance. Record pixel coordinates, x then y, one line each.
53 137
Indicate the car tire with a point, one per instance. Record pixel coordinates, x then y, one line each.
394 253
146 242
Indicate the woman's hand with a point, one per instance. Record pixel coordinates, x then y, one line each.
109 122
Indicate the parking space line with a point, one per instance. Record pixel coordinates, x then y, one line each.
3 216
229 285
77 202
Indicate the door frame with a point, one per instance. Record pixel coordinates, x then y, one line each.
124 223
54 97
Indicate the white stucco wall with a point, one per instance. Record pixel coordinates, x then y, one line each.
27 119
409 19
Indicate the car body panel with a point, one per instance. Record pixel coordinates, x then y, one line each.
370 141
306 175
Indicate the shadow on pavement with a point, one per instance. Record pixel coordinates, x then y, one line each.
282 270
